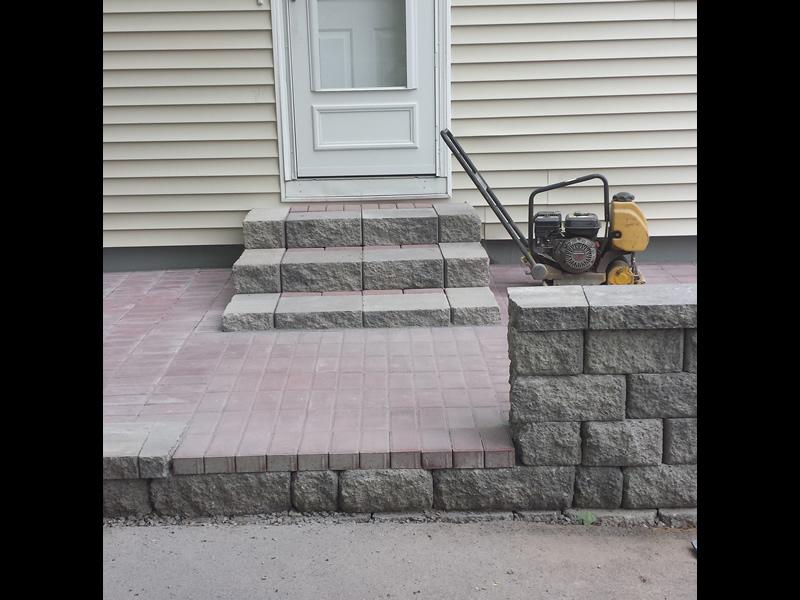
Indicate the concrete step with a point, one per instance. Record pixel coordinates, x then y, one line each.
370 308
451 265
264 228
250 312
323 229
473 306
458 222
321 269
429 309
398 226
325 225
258 271
319 312
466 264
391 267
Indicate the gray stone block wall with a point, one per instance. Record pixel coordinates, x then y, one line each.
604 378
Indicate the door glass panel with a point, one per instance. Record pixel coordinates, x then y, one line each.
362 43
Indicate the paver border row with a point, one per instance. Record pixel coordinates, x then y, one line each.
426 449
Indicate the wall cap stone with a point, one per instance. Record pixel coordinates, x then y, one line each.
659 306
544 308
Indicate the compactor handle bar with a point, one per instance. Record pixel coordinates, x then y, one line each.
491 199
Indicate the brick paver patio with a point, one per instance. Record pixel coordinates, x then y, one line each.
287 400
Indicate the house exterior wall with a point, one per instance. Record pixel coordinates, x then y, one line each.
542 90
189 125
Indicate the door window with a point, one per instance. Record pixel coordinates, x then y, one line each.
361 43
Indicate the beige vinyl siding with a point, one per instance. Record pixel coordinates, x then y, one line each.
547 90
542 90
189 123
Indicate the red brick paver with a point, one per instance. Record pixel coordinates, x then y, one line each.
287 400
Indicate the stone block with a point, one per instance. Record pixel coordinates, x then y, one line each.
221 494
122 443
680 441
395 226
631 442
321 270
385 490
662 486
557 443
318 312
545 352
264 228
662 395
466 264
690 351
516 488
402 268
547 308
126 498
406 310
120 467
652 306
458 222
634 351
315 491
158 448
615 517
683 518
473 306
598 487
568 398
250 312
323 229
258 271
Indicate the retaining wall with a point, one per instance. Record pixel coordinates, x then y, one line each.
604 381
603 416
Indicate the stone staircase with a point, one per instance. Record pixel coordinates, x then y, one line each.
361 265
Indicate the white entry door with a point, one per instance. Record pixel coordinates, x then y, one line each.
363 87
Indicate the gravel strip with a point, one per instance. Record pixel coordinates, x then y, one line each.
300 519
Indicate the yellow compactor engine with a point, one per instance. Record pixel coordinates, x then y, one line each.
629 234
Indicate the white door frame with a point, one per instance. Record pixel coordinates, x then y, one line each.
294 189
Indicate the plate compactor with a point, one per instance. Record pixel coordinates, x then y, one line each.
569 251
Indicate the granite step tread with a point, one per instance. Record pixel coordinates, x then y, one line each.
466 264
434 307
257 271
354 224
321 269
323 229
250 312
390 226
407 310
417 266
348 268
473 306
318 312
